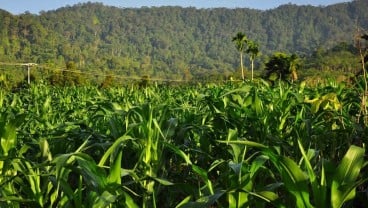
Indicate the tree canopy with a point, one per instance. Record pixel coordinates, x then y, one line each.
282 66
170 42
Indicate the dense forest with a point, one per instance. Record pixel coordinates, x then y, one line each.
175 43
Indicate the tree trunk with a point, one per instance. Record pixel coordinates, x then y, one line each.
241 65
252 67
294 75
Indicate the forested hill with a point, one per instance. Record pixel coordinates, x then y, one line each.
170 42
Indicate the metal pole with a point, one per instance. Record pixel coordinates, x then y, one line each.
24 64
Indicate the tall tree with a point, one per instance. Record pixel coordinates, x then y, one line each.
294 65
253 51
362 46
241 41
281 65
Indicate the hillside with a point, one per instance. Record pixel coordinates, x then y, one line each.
170 42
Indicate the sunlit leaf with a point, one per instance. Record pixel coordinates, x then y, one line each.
344 181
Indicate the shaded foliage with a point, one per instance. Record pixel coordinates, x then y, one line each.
282 66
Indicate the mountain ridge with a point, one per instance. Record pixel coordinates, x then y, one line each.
170 42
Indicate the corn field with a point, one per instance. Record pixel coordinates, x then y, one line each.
210 145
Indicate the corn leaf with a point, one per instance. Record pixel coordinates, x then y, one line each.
319 189
8 138
104 200
205 201
244 142
163 181
184 201
112 148
344 181
267 196
179 152
294 179
93 175
129 202
115 170
203 174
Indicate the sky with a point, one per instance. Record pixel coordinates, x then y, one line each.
35 6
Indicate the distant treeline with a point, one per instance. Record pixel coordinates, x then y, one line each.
178 43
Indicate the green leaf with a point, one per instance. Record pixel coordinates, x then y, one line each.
179 152
163 181
293 177
267 196
45 150
8 138
92 174
236 148
295 181
319 189
256 164
215 164
242 198
104 200
129 202
203 174
65 187
244 142
205 201
114 147
46 105
184 201
257 104
232 135
344 181
115 170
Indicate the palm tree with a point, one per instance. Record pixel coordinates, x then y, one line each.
240 43
253 51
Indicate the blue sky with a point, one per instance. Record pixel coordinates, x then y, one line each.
35 6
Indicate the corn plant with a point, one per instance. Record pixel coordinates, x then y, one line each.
228 145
